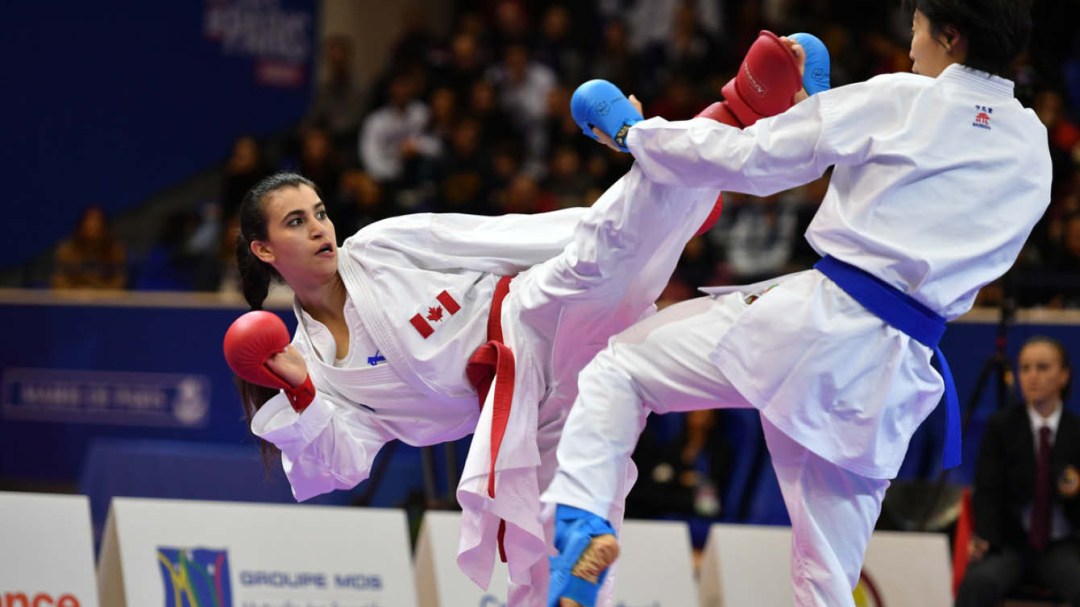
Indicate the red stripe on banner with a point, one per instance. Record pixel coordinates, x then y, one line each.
448 302
421 326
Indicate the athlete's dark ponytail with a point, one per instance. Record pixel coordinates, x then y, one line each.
256 275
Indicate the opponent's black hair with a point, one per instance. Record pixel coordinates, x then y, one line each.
996 30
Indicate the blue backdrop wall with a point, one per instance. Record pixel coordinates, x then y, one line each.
110 102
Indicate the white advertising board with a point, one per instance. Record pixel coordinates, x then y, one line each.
751 565
654 567
46 551
175 553
439 582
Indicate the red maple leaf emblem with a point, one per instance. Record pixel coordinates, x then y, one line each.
434 314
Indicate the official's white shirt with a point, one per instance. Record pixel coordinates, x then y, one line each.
936 186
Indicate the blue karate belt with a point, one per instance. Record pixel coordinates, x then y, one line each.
912 318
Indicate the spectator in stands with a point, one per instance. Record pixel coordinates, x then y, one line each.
216 270
443 104
243 169
762 237
556 49
566 183
339 99
91 258
617 62
464 67
392 136
496 126
1064 265
1027 479
319 160
464 179
362 203
522 87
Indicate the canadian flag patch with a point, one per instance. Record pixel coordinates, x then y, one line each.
426 322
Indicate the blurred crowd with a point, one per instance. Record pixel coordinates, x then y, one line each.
477 121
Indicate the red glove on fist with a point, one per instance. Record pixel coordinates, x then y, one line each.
250 341
764 86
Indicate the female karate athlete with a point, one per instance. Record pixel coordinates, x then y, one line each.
938 179
404 326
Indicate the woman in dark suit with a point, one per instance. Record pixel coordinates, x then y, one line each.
1027 480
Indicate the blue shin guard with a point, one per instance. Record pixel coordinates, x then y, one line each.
574 530
600 104
816 72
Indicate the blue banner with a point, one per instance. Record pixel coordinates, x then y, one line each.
110 102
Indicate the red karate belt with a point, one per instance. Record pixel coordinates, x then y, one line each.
489 362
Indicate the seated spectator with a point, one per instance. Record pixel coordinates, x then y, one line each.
320 162
523 87
1027 480
463 182
243 169
216 270
339 99
762 237
393 135
566 183
91 258
362 203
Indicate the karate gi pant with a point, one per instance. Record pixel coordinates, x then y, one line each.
561 313
662 365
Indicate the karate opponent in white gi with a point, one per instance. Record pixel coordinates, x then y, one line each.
404 326
939 176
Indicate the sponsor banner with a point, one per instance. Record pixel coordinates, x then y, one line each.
172 553
46 554
105 397
751 565
439 582
654 567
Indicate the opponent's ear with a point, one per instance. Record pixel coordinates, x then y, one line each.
950 38
262 250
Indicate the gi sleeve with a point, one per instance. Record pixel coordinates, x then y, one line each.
775 154
329 446
505 244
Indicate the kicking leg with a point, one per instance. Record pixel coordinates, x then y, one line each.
659 365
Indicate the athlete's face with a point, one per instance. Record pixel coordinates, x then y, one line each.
930 52
1042 373
300 240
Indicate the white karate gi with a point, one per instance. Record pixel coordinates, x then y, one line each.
937 184
585 274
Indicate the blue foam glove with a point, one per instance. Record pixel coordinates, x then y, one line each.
601 104
816 72
574 529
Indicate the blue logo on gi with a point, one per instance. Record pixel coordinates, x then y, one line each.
195 577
